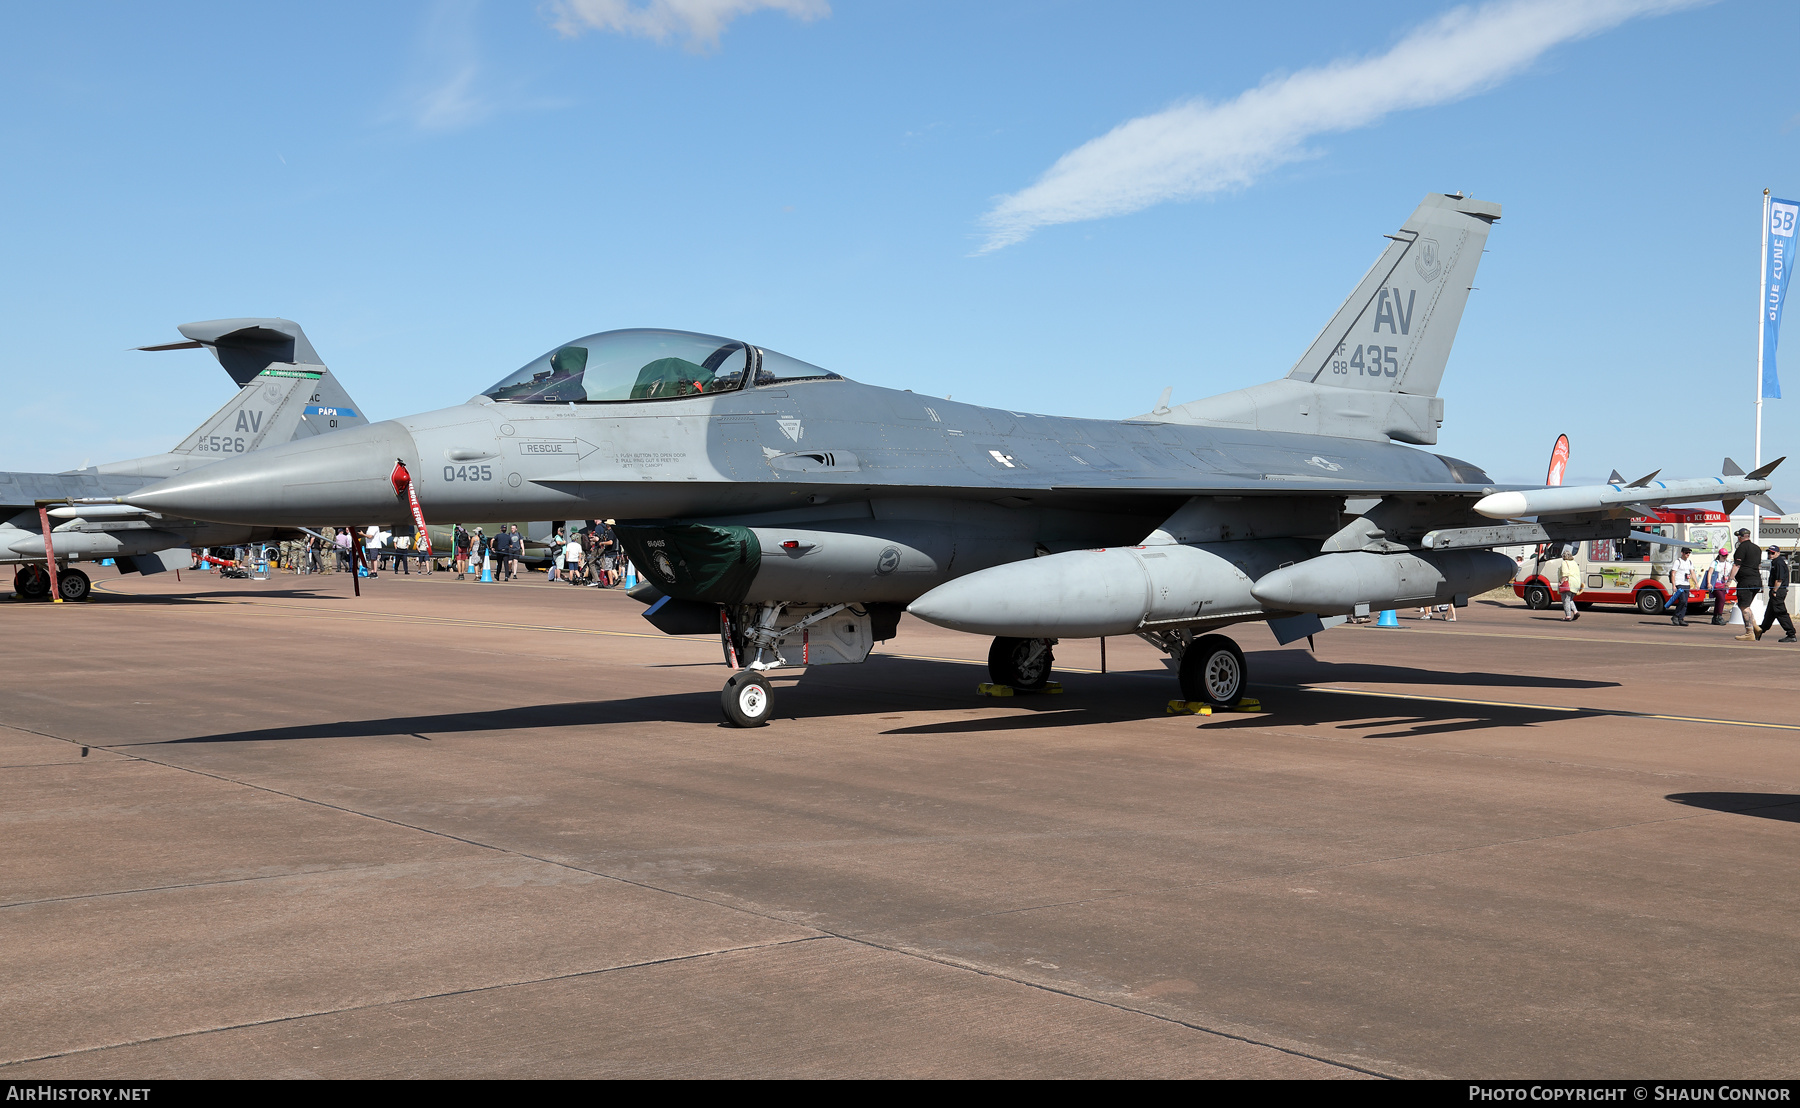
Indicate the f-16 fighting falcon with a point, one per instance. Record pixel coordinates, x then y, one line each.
798 513
284 394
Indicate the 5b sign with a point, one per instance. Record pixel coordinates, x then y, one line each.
1783 219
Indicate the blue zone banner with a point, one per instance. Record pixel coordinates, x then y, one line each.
1784 220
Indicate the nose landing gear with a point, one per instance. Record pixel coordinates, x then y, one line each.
747 699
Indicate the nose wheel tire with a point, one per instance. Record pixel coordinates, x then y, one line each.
73 584
1537 598
1213 671
747 699
1649 601
1021 663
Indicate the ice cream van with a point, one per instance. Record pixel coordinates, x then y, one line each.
1630 571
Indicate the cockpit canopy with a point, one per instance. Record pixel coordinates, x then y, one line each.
645 364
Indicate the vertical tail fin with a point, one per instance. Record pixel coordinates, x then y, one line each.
1394 332
1373 372
287 393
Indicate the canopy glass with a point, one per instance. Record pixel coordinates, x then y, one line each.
644 364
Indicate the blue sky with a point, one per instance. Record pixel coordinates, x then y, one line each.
439 192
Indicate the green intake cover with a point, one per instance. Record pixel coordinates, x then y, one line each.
692 561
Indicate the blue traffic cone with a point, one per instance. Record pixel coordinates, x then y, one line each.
1388 619
630 575
487 570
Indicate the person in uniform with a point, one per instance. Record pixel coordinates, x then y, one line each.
1776 609
1746 563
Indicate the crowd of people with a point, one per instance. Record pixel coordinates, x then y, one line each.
1740 568
584 554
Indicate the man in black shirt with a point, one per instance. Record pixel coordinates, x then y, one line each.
1746 563
1779 573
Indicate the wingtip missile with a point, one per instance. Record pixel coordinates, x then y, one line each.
1618 498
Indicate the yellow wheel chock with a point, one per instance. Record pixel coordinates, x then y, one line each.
987 689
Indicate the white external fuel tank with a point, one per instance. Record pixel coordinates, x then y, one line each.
1337 584
1089 593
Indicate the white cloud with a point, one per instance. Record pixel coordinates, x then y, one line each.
444 94
701 21
1198 148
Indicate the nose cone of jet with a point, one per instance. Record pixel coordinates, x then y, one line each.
340 477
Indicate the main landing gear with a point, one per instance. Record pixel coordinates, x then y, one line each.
1021 664
33 583
1211 667
1213 672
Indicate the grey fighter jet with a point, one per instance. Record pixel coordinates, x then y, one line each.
798 513
284 394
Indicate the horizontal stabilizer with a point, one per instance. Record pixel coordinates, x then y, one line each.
1644 480
1732 469
1616 478
1765 503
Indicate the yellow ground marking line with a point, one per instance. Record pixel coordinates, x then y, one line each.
1626 713
352 615
1674 641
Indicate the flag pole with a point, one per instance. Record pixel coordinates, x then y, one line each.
1762 305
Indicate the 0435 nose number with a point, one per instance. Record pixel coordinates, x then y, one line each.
468 473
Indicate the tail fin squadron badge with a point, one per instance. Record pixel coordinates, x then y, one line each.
1427 262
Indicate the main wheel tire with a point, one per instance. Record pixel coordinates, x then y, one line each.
32 583
1021 663
73 584
1213 671
747 699
1537 597
1650 602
